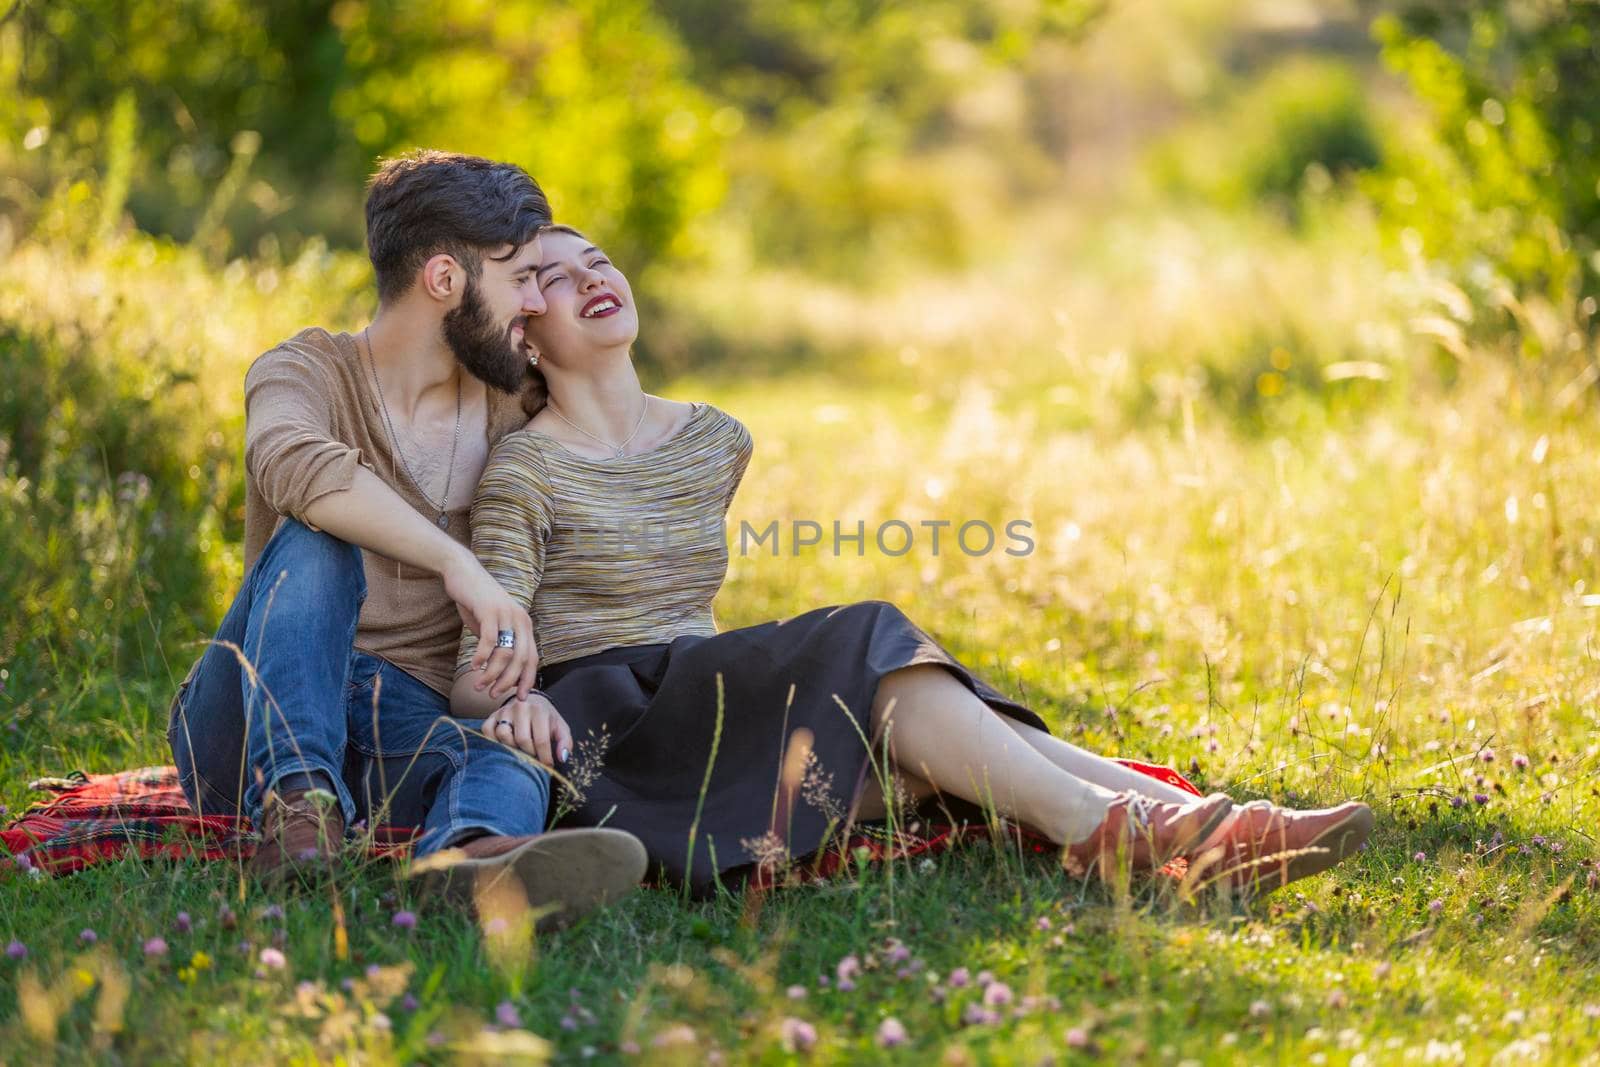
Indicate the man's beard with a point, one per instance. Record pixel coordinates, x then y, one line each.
481 346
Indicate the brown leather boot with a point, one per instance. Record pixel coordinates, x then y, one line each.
301 833
559 875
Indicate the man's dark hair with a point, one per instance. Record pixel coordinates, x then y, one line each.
426 202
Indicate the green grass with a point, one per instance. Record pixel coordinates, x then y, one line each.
1284 589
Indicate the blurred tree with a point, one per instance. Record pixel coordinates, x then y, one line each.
1502 184
1305 122
590 95
875 127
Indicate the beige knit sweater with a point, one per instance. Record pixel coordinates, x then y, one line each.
311 415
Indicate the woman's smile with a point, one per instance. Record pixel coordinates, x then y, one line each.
600 307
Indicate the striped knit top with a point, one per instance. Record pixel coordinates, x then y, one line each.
610 552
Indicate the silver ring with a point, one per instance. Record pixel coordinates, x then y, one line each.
506 639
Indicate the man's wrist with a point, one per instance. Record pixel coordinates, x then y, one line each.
453 556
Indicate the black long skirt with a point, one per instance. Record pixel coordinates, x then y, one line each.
775 775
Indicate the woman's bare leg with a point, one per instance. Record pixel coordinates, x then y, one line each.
941 732
1097 769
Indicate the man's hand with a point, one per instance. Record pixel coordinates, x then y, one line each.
534 726
486 610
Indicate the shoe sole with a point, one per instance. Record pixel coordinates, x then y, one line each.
1339 841
564 875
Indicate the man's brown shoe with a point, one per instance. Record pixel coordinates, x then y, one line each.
561 874
301 833
1265 847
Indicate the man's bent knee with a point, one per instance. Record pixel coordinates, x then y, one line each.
314 561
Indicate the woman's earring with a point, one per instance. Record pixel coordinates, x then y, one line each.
533 360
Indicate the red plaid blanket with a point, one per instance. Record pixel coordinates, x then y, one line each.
92 818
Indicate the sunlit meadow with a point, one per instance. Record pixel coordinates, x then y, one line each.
1281 542
1302 527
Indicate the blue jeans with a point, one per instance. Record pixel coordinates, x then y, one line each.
317 712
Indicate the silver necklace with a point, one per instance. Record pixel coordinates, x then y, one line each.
616 450
443 521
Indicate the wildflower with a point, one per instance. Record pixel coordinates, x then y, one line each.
505 1013
16 950
1480 798
183 923
1042 923
891 1033
996 995
87 936
1077 1037
1260 1009
1457 801
676 1034
226 918
1519 761
1435 905
380 1022
847 970
1487 755
273 958
985 978
1420 857
896 952
272 911
797 1035
409 1002
959 978
155 947
978 1015
629 1048
796 992
405 920
1337 1000
200 961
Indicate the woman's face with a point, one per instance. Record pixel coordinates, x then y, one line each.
588 305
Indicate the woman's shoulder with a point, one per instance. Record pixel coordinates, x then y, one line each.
517 453
721 422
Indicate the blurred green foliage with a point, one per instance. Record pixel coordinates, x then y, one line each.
1300 126
1501 183
262 120
268 117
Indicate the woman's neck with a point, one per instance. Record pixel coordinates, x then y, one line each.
604 398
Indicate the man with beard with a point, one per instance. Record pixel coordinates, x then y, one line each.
323 699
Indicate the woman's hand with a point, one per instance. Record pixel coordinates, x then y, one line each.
532 725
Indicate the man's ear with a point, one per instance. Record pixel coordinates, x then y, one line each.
442 277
